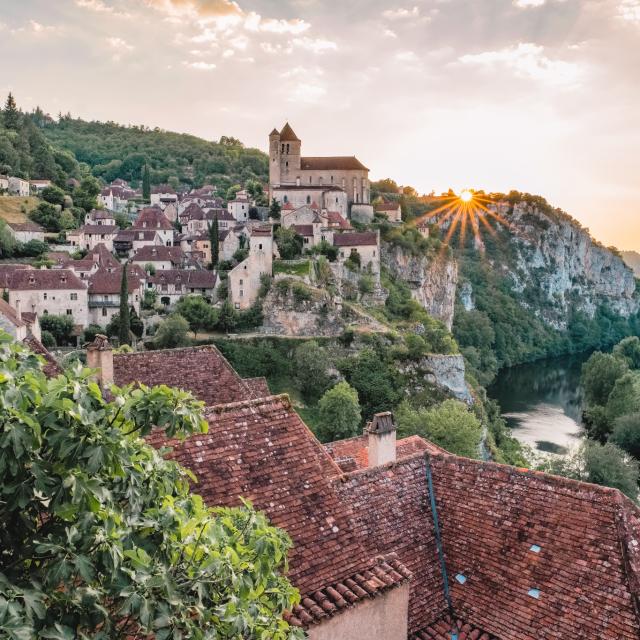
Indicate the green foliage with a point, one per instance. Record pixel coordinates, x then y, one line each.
47 339
599 375
289 243
60 327
296 269
228 318
198 313
626 434
366 284
146 183
629 350
214 241
339 413
84 501
450 425
47 216
603 464
8 243
115 151
275 209
124 321
53 195
172 332
85 195
149 299
311 364
301 293
90 333
375 380
625 396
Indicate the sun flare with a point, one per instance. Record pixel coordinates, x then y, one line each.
466 195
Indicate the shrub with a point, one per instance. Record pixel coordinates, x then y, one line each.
172 332
339 413
59 326
366 284
301 292
47 339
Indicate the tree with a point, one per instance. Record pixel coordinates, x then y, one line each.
275 209
232 191
228 318
214 241
599 375
311 365
626 434
11 115
146 183
47 216
8 243
339 413
60 327
629 350
603 464
198 313
172 332
124 324
100 535
84 196
289 243
625 396
450 425
53 195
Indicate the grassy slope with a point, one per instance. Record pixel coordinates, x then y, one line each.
10 207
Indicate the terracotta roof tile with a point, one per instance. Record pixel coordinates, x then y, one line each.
37 279
159 253
444 628
337 163
356 239
152 218
51 367
288 135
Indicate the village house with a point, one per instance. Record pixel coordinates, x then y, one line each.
4 184
97 258
49 292
161 258
90 235
392 211
239 208
171 212
26 231
245 278
117 196
339 183
19 187
397 539
201 220
153 219
173 284
18 324
100 217
128 241
366 244
37 186
163 195
104 292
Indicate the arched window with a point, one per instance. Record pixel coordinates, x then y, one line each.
287 148
308 199
283 147
285 199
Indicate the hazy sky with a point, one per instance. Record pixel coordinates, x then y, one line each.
537 95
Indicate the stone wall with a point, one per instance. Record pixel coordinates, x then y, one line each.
443 371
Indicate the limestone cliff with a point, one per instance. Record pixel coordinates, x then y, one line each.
564 268
433 280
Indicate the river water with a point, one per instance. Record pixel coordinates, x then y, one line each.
542 402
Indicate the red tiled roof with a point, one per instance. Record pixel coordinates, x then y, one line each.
51 368
11 314
288 135
25 226
159 253
104 281
37 279
355 239
98 229
152 218
336 220
258 386
196 278
443 628
303 229
202 370
388 206
338 163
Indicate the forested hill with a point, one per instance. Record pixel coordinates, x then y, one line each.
115 151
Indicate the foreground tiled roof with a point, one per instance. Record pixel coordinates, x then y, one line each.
584 564
338 163
443 628
356 239
202 370
51 367
258 387
11 314
385 573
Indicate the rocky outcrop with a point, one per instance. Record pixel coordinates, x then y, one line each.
443 371
558 258
433 280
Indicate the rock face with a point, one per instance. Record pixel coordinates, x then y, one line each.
442 371
572 271
433 281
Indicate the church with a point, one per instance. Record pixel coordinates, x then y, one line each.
333 183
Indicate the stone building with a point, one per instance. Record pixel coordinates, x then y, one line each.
336 183
26 231
366 244
104 292
244 278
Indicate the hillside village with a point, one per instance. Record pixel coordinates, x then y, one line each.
393 535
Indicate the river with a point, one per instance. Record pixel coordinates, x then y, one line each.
542 402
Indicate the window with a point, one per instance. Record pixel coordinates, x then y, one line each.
69 312
241 282
237 306
285 199
308 199
74 296
287 148
241 293
260 246
374 253
104 312
283 147
286 164
331 179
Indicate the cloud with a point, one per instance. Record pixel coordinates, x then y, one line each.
94 5
389 33
527 4
120 44
401 13
406 56
200 65
315 45
255 22
37 27
630 10
196 8
306 92
527 60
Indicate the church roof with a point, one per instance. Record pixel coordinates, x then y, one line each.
288 134
338 163
274 132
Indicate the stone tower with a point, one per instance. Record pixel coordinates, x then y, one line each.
274 158
290 150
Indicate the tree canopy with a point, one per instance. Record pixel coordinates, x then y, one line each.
339 413
100 536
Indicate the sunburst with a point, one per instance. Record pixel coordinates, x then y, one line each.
464 210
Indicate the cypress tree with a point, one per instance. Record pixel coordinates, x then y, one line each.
146 183
11 113
213 241
124 327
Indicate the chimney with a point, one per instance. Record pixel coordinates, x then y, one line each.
382 439
18 306
100 357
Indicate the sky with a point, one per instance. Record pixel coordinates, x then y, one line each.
541 96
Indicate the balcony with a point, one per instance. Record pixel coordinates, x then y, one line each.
98 304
